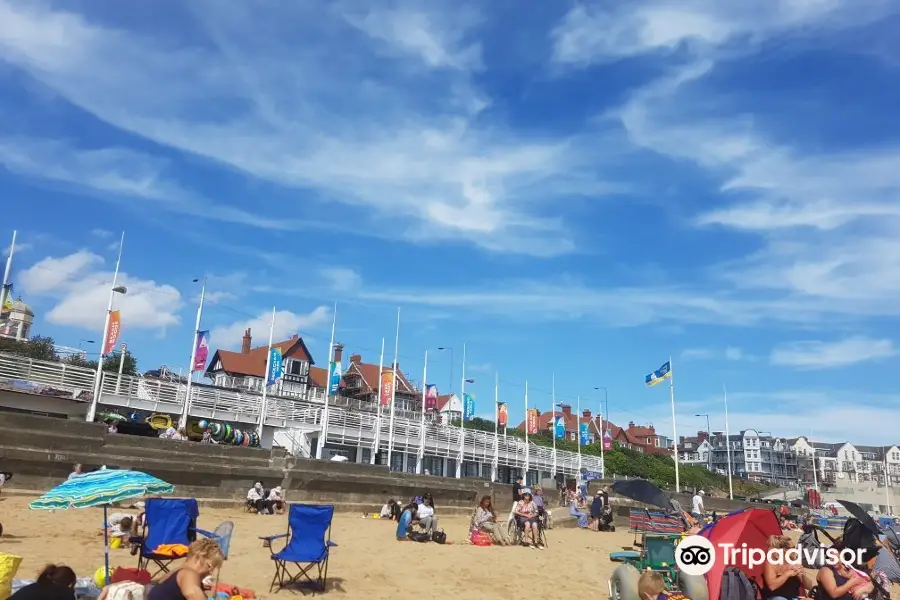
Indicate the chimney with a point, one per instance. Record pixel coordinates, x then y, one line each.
356 358
586 413
295 337
338 352
245 342
566 409
630 424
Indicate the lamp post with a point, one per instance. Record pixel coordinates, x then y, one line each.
452 360
98 375
708 442
604 410
771 454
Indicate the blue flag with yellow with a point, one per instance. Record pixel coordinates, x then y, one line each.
661 374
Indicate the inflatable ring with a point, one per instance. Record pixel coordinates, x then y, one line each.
159 421
238 436
246 441
229 433
195 428
217 430
255 440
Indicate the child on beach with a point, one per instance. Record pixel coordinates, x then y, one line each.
652 586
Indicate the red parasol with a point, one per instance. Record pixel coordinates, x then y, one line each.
752 527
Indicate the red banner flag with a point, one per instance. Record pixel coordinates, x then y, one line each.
502 414
387 388
532 421
112 332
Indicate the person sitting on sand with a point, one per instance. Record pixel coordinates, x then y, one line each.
784 581
276 500
425 514
76 471
390 511
578 509
652 586
485 519
203 558
55 582
842 582
119 525
527 515
405 522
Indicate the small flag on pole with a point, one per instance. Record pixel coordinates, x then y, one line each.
659 375
468 408
559 427
276 365
112 333
584 434
502 414
201 354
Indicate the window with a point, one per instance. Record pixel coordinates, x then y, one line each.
297 367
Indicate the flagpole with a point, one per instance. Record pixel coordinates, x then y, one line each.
393 393
674 426
553 419
728 444
815 465
496 419
263 403
462 421
578 424
98 375
887 479
527 448
320 446
378 400
5 291
421 453
182 422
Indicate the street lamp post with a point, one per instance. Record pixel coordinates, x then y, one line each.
98 374
771 453
604 410
708 442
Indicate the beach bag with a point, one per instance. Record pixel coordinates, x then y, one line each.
419 536
808 542
736 585
439 537
480 538
9 565
126 590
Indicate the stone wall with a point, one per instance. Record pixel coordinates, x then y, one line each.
40 451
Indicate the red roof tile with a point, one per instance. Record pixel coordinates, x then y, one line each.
371 378
254 362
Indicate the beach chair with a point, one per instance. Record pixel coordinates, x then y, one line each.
307 549
169 528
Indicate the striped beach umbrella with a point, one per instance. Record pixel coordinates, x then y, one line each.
102 488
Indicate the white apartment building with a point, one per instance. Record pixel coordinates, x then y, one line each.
846 463
757 456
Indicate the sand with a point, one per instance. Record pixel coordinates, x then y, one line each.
368 563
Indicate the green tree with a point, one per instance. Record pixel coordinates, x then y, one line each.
110 362
38 348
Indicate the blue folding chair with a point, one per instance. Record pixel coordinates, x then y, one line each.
308 547
167 521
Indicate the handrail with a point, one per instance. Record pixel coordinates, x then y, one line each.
350 421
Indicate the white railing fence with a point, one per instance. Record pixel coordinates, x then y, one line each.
350 421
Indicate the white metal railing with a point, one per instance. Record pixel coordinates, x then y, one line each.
56 374
350 421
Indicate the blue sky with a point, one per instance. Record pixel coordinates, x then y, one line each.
577 188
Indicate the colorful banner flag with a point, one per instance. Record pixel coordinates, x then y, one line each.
531 421
661 374
607 441
201 351
468 408
112 333
502 414
276 365
386 388
559 427
6 302
334 378
585 434
431 396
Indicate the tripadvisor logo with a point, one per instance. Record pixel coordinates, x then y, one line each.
696 555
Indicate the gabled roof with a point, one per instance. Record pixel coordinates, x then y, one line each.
442 401
253 363
317 377
371 377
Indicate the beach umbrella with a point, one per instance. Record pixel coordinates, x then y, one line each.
641 490
102 488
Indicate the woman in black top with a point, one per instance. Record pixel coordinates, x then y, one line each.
203 558
55 582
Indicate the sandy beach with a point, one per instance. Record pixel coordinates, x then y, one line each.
368 562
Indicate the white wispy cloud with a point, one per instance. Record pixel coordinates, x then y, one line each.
287 323
78 286
707 353
341 279
421 160
827 355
